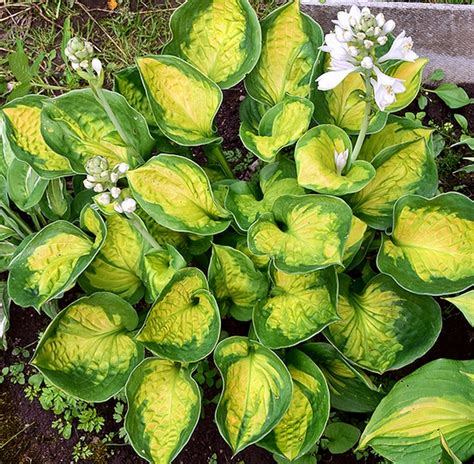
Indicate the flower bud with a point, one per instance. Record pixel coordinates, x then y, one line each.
118 208
104 199
382 40
114 177
96 66
88 184
367 63
389 26
353 51
129 205
122 168
96 165
98 188
380 20
368 44
115 192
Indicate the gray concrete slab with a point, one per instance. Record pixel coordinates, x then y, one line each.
443 33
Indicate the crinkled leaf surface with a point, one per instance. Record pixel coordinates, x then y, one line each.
304 422
88 350
383 327
437 397
159 433
257 391
298 306
221 38
176 193
430 248
303 233
359 233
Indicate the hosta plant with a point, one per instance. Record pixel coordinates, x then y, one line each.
340 232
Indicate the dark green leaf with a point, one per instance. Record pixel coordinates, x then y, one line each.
437 75
461 120
19 65
342 437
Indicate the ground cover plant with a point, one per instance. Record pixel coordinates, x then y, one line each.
340 231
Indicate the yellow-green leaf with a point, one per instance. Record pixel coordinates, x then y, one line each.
184 101
281 125
430 248
176 193
235 282
88 349
297 307
257 391
465 304
22 137
356 238
184 323
304 422
303 233
159 433
383 327
315 156
290 46
221 38
436 398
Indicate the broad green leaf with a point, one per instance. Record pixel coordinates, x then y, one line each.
251 112
430 248
290 45
281 125
184 323
304 422
341 437
221 38
176 193
7 251
129 84
56 201
159 433
158 268
50 261
465 304
88 350
401 168
116 268
303 233
383 327
447 455
343 106
260 262
25 186
246 200
23 138
410 72
357 236
453 95
297 307
76 126
315 162
436 398
257 391
350 388
184 101
235 282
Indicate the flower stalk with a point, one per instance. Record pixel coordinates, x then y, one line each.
215 152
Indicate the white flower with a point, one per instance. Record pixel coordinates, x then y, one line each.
129 205
380 20
96 66
98 188
338 71
368 44
114 177
354 51
382 40
340 159
88 184
401 49
104 199
367 63
115 192
123 168
118 208
389 26
385 89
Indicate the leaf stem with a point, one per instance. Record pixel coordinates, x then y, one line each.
215 152
142 230
18 220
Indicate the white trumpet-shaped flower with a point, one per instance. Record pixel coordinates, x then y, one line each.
340 159
385 89
129 205
401 49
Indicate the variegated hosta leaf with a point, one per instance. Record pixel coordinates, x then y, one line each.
221 38
447 455
158 268
56 201
76 126
176 193
465 304
235 282
290 46
401 169
22 137
343 106
281 125
316 163
4 314
350 388
383 327
183 100
164 405
410 72
49 262
260 262
430 248
436 398
246 201
116 268
297 307
129 84
304 233
25 186
88 349
184 323
257 391
304 422
356 238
